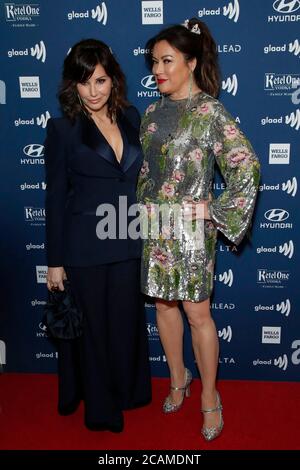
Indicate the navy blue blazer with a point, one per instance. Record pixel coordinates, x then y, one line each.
82 172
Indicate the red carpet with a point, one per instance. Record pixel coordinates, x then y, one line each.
258 415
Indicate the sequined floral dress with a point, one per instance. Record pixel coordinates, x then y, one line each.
181 142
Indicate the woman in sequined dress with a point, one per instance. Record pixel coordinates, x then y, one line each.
183 135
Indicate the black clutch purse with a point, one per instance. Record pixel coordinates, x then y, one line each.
62 316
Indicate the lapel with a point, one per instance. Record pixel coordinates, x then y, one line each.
131 142
92 137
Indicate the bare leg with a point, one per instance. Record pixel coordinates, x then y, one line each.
206 350
170 327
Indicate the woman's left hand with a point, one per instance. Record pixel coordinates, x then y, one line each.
195 210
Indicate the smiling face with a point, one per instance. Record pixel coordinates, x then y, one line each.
171 70
96 91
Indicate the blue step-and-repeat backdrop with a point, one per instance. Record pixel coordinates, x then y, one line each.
256 298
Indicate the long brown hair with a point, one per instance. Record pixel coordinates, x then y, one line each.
79 66
200 46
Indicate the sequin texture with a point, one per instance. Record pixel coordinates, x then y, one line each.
181 143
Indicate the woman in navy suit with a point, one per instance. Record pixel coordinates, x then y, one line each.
93 157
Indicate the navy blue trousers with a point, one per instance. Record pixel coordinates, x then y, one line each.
108 366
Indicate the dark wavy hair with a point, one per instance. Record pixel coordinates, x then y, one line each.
200 46
79 66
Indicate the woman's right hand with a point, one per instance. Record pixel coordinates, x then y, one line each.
55 278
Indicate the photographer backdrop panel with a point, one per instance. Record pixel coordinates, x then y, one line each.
255 302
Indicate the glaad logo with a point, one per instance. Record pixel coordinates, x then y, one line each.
30 246
39 120
37 303
2 92
279 154
293 120
2 353
39 51
232 11
284 307
43 119
41 355
226 278
25 186
140 51
292 47
99 14
271 334
281 362
290 187
230 84
226 334
158 358
287 249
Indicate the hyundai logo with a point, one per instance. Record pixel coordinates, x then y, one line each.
34 150
286 6
149 82
276 215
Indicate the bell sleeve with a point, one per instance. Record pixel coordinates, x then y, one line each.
232 211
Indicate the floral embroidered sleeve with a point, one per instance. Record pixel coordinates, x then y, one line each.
147 129
231 212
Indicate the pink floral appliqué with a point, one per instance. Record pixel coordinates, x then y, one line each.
168 189
231 132
152 128
238 156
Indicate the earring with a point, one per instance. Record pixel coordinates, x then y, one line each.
83 108
190 90
162 100
80 100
